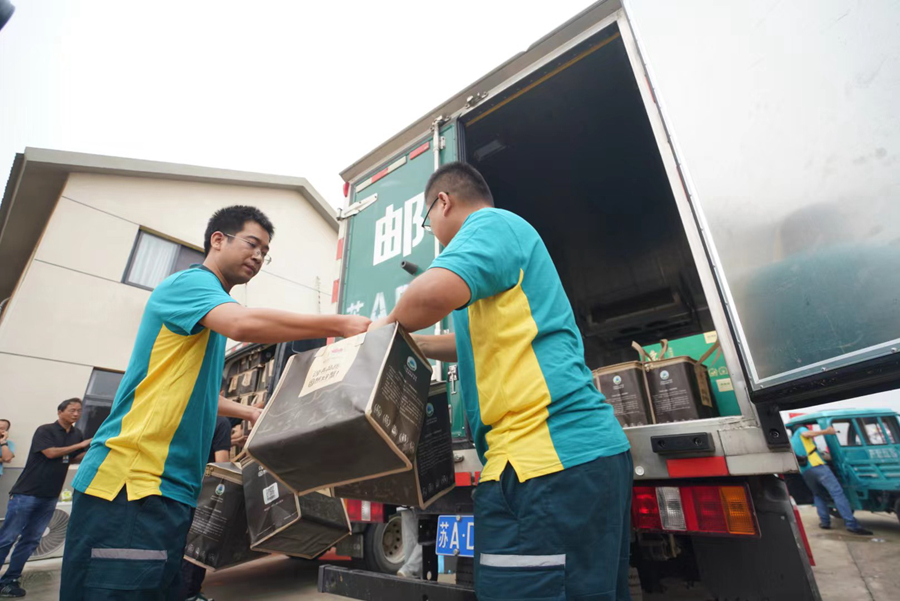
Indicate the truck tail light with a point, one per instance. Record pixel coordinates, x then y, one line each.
645 509
738 513
346 189
703 506
708 509
671 512
364 511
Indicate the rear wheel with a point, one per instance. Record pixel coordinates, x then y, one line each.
383 546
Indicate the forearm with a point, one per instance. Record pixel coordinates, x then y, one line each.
231 409
54 452
439 348
813 434
5 455
271 326
79 458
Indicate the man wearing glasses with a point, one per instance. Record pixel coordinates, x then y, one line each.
553 502
138 485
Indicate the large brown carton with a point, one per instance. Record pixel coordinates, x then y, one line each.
679 387
625 387
346 412
219 536
283 522
433 473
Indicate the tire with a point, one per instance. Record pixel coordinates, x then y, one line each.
897 508
383 546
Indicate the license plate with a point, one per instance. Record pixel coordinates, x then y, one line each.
456 536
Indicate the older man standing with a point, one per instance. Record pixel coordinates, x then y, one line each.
33 497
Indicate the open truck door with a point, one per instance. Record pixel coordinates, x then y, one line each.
786 139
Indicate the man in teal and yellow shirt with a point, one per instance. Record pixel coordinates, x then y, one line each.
138 485
552 506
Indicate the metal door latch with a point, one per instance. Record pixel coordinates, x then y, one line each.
453 377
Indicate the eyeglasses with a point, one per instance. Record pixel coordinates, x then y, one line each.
266 259
427 226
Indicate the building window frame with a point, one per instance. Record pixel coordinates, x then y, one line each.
132 257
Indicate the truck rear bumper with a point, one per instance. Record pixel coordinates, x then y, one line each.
359 584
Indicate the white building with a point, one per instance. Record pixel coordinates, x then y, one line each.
83 241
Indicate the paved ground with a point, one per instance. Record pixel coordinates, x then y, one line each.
848 568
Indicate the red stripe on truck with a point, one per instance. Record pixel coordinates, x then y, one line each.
697 467
463 479
420 150
379 175
334 291
340 250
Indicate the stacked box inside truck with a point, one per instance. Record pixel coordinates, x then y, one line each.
247 381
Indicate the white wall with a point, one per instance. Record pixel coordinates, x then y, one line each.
71 312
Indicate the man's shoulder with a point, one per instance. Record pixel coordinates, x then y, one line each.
193 276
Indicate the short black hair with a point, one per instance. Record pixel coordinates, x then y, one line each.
8 423
65 404
231 220
459 179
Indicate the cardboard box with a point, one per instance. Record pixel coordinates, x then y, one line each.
625 387
247 381
231 390
433 473
346 412
219 536
266 371
282 522
679 387
696 347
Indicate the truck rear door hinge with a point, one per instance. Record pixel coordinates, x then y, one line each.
357 207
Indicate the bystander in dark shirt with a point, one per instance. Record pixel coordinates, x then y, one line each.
221 438
43 477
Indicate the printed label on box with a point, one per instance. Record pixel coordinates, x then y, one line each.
710 337
724 384
270 493
331 364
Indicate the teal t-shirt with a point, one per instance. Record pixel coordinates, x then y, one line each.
529 397
12 449
157 437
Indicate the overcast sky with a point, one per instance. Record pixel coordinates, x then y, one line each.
286 87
